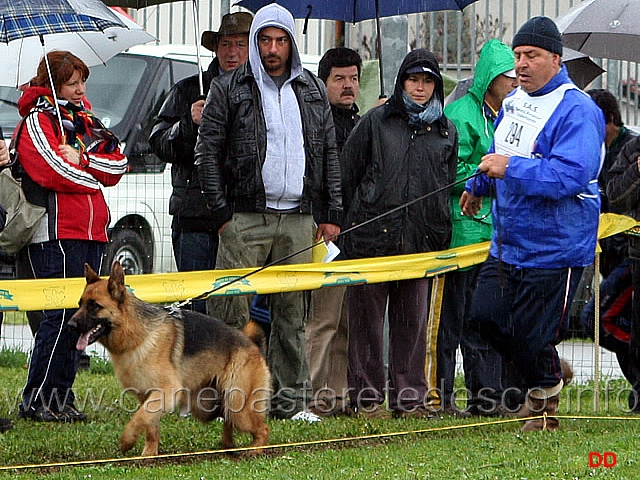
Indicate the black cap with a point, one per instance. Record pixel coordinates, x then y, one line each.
539 32
422 69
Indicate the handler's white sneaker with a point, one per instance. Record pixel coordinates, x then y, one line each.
306 416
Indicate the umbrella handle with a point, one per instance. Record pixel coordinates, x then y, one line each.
53 89
196 27
379 47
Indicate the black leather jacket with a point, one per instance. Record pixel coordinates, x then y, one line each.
623 188
231 148
173 139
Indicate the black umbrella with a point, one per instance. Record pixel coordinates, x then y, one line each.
353 11
603 28
582 69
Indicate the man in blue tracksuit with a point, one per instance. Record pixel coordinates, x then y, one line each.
542 172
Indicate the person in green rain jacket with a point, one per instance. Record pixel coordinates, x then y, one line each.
473 115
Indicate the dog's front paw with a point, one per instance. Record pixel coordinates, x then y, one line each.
127 442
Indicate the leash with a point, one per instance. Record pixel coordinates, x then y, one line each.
176 306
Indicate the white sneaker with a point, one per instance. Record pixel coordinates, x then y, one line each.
306 416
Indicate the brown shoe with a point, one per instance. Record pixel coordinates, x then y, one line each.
547 407
325 411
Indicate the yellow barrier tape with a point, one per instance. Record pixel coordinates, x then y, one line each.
50 294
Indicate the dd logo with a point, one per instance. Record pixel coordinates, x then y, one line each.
606 459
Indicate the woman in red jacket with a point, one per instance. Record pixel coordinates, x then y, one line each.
63 171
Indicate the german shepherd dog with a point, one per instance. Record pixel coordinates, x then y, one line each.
176 360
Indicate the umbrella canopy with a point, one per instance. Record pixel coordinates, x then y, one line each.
582 69
603 28
357 10
136 3
22 56
28 18
40 18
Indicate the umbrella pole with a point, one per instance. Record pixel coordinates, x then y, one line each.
53 89
379 48
196 29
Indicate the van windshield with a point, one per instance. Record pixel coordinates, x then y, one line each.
110 90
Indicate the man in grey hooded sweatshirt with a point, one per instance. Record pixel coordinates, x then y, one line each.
268 164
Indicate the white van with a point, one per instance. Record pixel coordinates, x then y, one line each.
126 95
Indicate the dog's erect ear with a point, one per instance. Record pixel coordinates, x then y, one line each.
117 288
90 274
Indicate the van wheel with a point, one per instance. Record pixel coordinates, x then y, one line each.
127 247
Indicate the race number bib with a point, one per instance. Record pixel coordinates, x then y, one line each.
523 119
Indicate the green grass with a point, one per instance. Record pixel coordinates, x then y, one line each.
342 448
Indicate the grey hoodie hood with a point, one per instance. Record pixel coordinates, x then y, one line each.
272 15
284 164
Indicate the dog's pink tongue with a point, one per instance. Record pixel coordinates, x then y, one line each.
83 341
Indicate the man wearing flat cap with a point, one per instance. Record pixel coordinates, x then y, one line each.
542 170
173 139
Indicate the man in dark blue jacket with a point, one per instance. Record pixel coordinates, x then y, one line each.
542 170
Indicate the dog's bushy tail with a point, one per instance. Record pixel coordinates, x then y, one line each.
256 334
567 372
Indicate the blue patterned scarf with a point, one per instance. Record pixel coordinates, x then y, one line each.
422 115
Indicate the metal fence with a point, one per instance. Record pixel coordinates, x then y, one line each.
455 37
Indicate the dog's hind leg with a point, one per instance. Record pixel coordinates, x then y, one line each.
253 423
227 434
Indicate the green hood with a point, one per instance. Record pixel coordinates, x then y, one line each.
475 133
495 59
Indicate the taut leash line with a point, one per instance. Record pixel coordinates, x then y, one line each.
184 303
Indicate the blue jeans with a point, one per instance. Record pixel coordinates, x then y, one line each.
54 360
524 314
195 251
